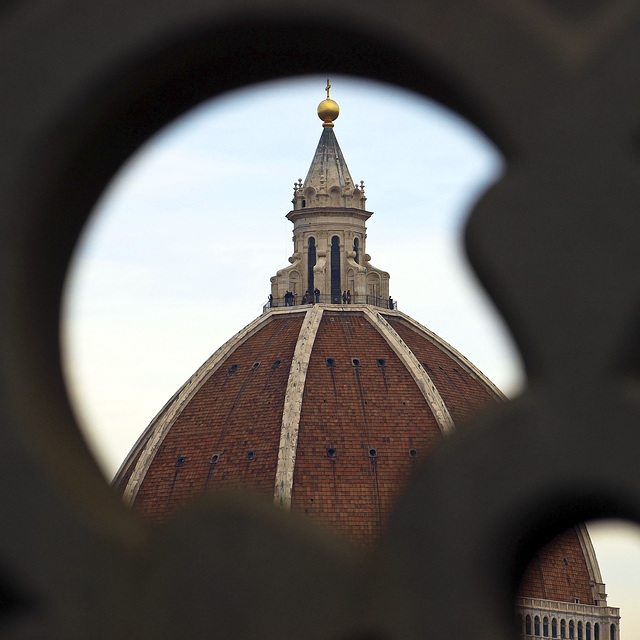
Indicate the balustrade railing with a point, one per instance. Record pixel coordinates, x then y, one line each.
297 300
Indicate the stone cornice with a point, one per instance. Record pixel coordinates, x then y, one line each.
554 607
337 212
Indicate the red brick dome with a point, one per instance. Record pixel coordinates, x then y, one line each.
326 409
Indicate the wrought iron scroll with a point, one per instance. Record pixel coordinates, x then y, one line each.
555 242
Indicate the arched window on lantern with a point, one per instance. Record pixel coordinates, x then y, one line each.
336 290
311 262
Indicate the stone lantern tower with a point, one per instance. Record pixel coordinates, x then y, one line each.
329 231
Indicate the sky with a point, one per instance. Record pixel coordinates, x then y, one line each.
178 253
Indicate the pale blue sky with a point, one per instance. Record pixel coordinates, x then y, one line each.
178 255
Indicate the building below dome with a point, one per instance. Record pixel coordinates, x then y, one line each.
328 402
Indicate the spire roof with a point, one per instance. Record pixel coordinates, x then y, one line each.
328 182
328 167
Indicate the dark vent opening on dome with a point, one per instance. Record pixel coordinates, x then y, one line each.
373 453
331 362
355 362
276 364
331 452
180 460
251 455
381 362
233 368
255 365
215 457
413 453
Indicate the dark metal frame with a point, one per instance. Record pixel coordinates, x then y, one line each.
555 243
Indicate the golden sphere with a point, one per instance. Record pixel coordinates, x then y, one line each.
328 111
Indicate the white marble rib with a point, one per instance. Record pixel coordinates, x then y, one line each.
159 427
292 406
417 371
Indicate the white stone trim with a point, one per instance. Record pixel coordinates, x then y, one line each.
598 587
589 552
556 607
469 366
417 371
568 611
159 427
292 407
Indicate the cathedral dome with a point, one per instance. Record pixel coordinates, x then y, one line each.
326 410
323 408
327 403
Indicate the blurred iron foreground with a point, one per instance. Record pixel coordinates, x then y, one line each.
554 243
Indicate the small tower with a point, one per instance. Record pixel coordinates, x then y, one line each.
329 231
